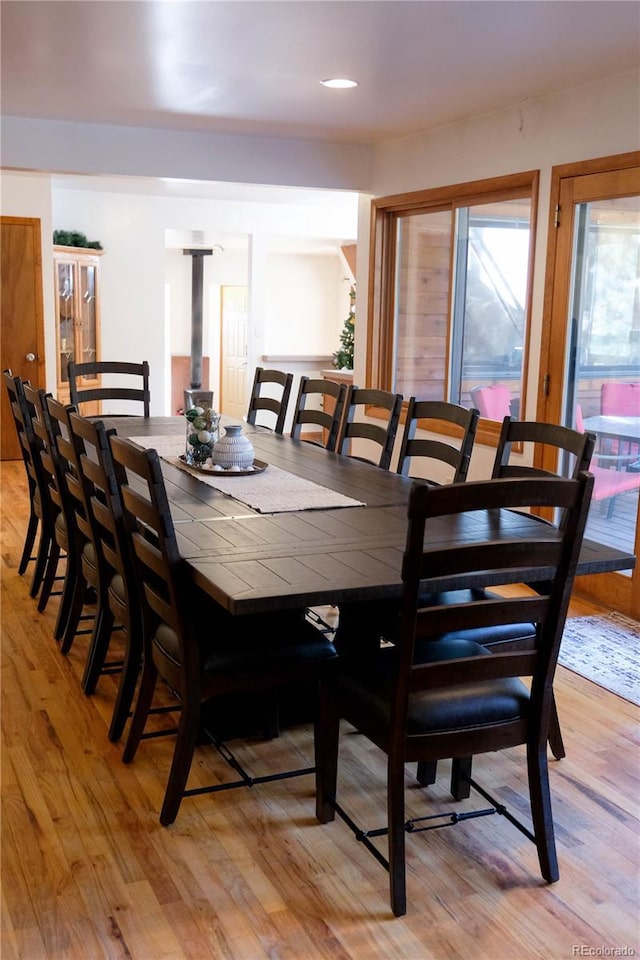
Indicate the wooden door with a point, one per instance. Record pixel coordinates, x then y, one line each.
22 338
592 333
233 352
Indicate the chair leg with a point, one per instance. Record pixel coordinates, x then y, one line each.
51 554
426 772
76 603
128 680
541 813
141 712
68 589
45 569
555 734
397 838
460 772
181 763
99 646
326 739
29 540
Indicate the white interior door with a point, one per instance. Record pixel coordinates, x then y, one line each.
233 351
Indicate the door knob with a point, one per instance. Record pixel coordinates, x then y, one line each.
30 357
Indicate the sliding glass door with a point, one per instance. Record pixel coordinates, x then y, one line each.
592 361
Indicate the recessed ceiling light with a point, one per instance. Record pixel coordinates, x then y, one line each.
339 83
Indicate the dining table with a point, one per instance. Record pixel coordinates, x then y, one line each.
312 527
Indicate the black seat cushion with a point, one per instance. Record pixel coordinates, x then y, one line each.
251 644
450 708
489 636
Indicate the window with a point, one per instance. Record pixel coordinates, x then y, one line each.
452 282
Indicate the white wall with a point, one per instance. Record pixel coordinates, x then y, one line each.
307 303
132 230
598 120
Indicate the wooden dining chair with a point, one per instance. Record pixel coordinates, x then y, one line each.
270 392
380 432
83 559
131 384
199 649
320 403
573 448
428 698
454 453
40 523
100 481
67 542
573 451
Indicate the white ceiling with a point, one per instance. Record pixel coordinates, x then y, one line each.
253 68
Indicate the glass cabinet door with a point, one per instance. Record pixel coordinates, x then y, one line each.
87 313
77 292
66 294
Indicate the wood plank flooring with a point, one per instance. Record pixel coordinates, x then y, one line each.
89 873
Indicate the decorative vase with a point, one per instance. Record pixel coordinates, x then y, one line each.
202 432
233 450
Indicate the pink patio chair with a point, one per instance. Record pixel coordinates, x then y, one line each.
493 402
620 400
608 482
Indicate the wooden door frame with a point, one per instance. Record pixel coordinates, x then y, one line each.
615 590
35 371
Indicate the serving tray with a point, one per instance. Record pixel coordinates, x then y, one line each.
258 467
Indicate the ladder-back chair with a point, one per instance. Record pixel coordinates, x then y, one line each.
270 392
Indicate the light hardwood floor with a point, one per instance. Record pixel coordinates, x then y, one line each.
88 872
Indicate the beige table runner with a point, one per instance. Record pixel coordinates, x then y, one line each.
272 491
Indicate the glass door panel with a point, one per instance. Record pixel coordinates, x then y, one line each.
422 299
87 307
603 375
590 361
66 293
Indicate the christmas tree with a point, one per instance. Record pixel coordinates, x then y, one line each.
343 358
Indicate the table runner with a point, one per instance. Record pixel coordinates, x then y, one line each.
272 491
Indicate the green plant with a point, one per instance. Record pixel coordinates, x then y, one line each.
343 358
71 238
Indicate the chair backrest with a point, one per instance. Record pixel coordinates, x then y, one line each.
325 393
101 479
382 433
98 486
572 442
69 470
22 422
620 399
546 557
152 543
493 402
428 414
270 392
139 392
53 467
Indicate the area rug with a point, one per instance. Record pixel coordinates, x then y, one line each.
605 650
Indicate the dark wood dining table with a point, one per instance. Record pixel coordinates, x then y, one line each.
253 562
